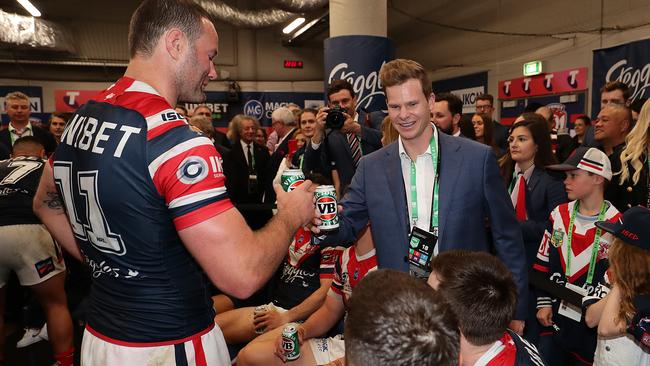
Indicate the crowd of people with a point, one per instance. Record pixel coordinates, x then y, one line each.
461 240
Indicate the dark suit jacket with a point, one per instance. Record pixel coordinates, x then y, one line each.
471 190
501 135
544 192
236 171
46 139
4 152
221 139
335 153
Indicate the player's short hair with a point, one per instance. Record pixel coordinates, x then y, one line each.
616 85
477 275
394 319
154 17
16 95
27 145
454 104
399 71
487 97
63 115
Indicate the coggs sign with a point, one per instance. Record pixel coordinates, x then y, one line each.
637 79
366 87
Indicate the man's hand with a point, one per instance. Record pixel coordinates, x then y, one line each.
278 343
545 316
350 125
315 221
320 125
296 207
517 326
270 320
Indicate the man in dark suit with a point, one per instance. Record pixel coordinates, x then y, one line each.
447 111
429 184
485 104
219 138
17 107
246 173
340 150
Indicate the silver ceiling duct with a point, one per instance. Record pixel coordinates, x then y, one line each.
298 6
245 18
34 33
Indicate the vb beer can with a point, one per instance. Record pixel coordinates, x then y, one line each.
290 343
259 310
327 208
291 178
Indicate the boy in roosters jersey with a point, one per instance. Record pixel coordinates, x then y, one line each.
299 288
573 253
140 198
353 264
482 294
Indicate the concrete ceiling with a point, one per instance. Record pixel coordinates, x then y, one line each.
437 33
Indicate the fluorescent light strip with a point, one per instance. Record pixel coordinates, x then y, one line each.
305 27
293 25
30 8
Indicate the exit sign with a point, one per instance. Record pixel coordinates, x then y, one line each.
292 64
532 68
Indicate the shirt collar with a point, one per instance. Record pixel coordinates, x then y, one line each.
527 173
402 151
27 127
244 145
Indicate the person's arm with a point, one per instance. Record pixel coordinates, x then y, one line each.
238 260
595 312
555 195
371 139
323 319
610 324
273 319
506 232
48 206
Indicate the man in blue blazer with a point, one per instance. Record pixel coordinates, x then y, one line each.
471 193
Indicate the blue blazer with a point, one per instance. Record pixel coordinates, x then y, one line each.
471 190
544 192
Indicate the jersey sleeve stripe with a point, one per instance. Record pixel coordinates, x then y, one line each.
196 197
204 213
161 129
176 150
139 86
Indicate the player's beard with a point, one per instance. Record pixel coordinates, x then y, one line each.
189 82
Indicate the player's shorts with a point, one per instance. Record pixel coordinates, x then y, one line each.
326 350
29 251
206 348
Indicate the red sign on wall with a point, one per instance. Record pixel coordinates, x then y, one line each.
552 83
71 100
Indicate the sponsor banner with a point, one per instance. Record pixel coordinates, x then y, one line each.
71 100
466 87
257 104
561 82
628 63
35 94
564 113
358 60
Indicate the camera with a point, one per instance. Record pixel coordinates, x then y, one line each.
335 118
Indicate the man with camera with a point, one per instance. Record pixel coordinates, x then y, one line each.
338 145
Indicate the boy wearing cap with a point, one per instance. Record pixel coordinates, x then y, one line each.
573 253
627 289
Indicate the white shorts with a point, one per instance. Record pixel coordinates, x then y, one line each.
206 348
29 251
326 350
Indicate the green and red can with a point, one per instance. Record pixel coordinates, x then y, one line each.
291 179
327 208
290 342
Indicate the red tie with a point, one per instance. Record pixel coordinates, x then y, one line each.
520 208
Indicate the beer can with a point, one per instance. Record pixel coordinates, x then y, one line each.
327 208
291 178
290 343
258 311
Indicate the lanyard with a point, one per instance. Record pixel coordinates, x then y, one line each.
301 159
513 182
433 147
594 246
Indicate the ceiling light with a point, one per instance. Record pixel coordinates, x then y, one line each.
30 8
289 28
305 27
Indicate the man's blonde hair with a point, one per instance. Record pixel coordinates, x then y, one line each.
399 71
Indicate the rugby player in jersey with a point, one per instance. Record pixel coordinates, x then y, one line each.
353 264
482 293
144 203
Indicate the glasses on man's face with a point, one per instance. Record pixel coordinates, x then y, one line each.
483 107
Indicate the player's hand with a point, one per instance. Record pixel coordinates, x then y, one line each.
296 208
320 125
316 219
545 316
278 343
350 125
517 326
269 320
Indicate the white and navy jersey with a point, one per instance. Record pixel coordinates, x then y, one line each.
19 179
350 269
511 350
131 173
